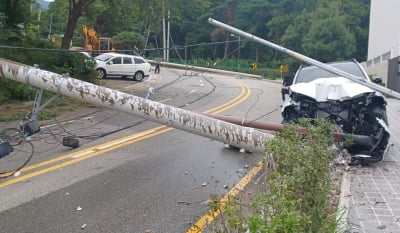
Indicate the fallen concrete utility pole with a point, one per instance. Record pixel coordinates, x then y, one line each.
306 59
242 137
337 137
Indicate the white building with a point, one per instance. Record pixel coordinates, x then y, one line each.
384 42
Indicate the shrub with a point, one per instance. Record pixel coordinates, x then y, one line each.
296 198
52 60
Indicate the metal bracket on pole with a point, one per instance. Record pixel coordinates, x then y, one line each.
38 99
36 104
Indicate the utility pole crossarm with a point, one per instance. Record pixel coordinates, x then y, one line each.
242 137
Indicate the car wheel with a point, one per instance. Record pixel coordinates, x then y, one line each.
101 73
139 76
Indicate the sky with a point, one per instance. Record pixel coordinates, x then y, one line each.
44 3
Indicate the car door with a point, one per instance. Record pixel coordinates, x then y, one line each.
128 67
114 66
141 65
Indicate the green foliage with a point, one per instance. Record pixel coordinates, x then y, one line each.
16 20
298 182
325 30
315 28
128 41
58 62
323 33
300 176
15 90
328 38
357 21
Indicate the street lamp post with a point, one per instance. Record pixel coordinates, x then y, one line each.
238 56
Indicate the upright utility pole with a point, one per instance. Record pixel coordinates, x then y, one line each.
51 21
238 54
164 42
168 33
165 34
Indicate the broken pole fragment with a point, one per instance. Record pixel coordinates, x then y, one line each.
337 137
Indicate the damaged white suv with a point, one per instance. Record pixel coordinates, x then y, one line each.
358 110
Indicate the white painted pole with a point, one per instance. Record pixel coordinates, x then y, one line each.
242 137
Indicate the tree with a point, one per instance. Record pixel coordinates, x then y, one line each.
226 11
322 32
128 41
328 38
15 18
76 8
357 20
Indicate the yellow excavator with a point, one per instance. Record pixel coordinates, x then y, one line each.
95 44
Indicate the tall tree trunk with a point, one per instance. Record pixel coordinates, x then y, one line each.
257 53
75 11
226 48
277 54
230 21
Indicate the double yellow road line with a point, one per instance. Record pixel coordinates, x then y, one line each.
78 156
75 157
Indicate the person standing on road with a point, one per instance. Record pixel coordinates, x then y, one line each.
157 69
287 81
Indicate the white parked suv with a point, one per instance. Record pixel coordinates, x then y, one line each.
115 64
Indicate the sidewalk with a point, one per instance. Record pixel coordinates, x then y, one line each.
373 194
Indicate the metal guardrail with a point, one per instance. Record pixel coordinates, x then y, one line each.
205 69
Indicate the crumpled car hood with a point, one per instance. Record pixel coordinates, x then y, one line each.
324 89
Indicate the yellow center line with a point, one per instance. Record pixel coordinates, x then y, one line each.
237 102
93 148
69 162
232 102
114 144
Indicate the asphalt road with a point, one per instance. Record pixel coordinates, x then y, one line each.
129 174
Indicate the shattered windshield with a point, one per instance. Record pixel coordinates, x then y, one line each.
308 74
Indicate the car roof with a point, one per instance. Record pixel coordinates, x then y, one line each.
120 54
108 56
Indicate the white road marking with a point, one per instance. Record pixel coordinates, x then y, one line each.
165 100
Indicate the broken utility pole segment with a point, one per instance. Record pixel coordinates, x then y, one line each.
301 57
337 137
242 137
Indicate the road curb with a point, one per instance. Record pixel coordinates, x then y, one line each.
344 202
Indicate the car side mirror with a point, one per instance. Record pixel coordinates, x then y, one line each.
377 79
110 63
285 90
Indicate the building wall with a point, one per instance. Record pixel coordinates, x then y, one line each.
384 36
380 70
394 74
384 33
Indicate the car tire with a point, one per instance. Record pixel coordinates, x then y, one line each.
139 76
101 73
